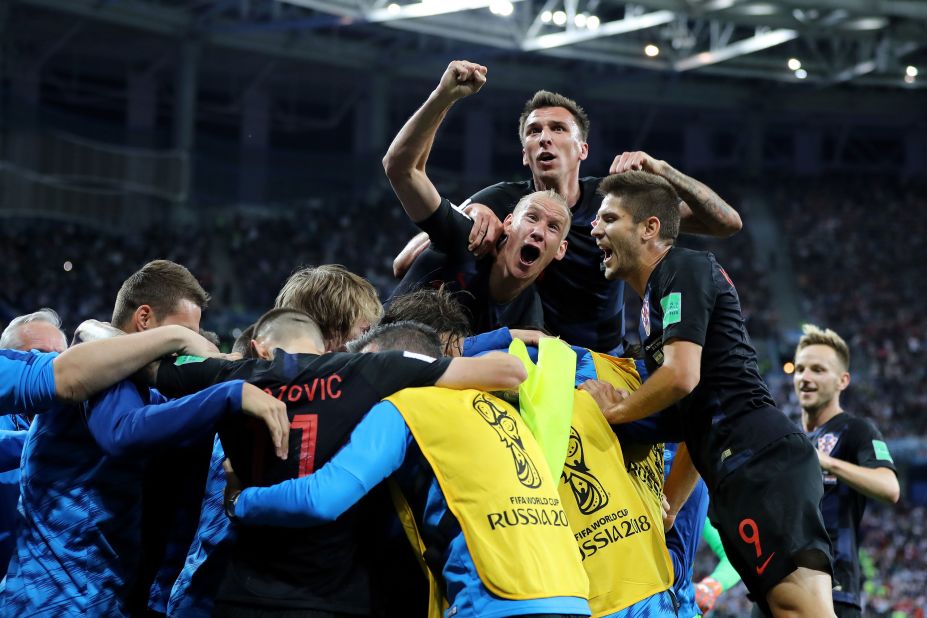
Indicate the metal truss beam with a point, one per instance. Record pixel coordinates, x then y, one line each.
760 41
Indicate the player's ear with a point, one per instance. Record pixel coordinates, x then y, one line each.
524 157
507 222
261 350
583 151
651 228
844 381
561 250
143 318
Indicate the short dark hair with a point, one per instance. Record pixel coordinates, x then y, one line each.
649 196
160 284
285 324
409 336
436 308
545 98
242 343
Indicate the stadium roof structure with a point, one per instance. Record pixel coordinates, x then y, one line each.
822 43
868 42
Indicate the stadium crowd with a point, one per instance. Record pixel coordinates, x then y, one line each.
121 512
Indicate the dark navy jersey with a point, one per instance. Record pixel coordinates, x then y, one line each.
323 568
857 441
580 304
447 262
730 416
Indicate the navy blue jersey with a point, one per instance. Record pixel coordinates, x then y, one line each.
327 395
447 262
79 518
580 304
857 441
730 416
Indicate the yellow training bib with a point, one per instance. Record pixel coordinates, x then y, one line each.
496 483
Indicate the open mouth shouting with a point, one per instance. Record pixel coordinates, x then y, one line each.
546 158
528 255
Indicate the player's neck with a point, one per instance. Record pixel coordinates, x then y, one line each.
650 258
814 419
566 185
503 287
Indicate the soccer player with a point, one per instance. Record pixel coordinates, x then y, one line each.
436 308
579 305
499 286
324 569
79 537
343 304
501 553
760 470
854 459
40 330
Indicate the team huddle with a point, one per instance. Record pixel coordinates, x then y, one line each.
483 445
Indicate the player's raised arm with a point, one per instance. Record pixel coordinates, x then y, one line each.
702 211
405 160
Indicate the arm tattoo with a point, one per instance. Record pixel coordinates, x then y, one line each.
709 213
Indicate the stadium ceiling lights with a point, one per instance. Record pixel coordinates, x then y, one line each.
610 28
394 11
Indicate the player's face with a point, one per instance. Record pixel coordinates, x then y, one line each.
187 314
819 377
551 144
535 237
618 237
42 336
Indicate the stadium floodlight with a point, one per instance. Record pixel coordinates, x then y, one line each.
801 74
762 40
547 17
794 64
609 28
911 71
652 51
559 18
429 8
593 22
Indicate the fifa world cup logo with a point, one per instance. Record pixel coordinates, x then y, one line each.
507 430
589 493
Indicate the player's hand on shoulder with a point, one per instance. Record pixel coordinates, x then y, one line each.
636 161
486 230
462 78
605 395
255 402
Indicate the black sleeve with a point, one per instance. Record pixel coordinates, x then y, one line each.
175 380
686 299
393 371
449 230
501 198
869 448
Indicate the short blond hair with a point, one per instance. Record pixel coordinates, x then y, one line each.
813 335
335 298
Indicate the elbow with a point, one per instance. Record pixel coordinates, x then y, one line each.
394 167
733 225
684 383
894 493
68 387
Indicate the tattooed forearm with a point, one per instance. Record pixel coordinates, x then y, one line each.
704 211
